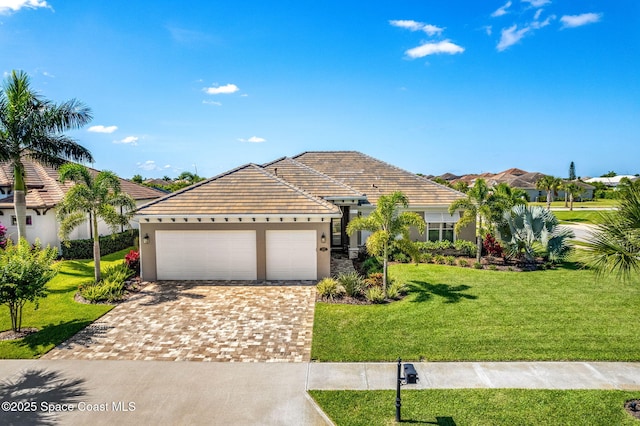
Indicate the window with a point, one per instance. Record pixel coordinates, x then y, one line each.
440 231
14 221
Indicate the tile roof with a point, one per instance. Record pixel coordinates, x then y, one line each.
311 180
249 189
45 191
374 177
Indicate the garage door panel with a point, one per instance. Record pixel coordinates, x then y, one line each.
291 255
206 255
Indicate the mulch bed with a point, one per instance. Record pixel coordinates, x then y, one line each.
633 408
13 335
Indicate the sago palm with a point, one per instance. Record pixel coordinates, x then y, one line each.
31 127
388 226
92 197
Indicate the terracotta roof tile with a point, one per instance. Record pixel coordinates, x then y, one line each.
45 191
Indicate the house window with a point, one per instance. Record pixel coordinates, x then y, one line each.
14 221
440 231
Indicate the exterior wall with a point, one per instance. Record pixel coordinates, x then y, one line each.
148 251
44 227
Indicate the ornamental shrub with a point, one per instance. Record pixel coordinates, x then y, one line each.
329 289
491 246
396 290
372 265
375 295
3 236
83 249
132 260
352 283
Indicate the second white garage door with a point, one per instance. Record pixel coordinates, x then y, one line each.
206 255
291 255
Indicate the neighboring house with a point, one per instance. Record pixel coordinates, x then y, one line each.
520 179
280 220
44 192
612 182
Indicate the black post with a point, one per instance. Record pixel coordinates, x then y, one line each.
398 400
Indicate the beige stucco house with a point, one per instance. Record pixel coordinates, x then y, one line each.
280 220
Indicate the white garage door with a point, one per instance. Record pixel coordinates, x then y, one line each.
206 255
291 255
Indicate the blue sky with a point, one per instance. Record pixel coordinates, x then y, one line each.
432 86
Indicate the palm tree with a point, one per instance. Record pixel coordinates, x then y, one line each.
573 190
31 127
477 208
189 177
387 224
550 184
92 198
615 244
527 231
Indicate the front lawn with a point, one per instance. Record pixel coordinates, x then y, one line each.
59 316
448 407
578 216
463 314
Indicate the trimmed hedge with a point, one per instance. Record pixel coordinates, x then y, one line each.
83 249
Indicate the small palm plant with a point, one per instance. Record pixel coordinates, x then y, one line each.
529 231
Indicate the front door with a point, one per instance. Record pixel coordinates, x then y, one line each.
339 238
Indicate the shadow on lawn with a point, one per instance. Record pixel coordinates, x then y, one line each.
453 294
440 421
53 334
25 398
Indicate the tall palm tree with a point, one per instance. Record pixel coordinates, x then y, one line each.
31 127
96 198
550 184
615 244
387 224
477 208
573 190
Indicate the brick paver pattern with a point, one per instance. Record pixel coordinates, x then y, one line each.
202 322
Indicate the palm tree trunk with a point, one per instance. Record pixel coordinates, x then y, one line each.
384 271
20 200
565 198
549 199
96 249
479 238
571 202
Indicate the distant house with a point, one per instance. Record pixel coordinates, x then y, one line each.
520 179
612 182
44 192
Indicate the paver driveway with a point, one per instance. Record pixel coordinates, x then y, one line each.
202 322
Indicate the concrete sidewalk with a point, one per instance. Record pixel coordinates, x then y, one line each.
97 392
460 375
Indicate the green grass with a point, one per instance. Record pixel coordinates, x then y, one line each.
59 316
578 216
449 407
599 203
462 314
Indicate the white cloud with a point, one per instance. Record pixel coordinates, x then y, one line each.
572 21
8 6
488 29
537 3
502 10
432 48
102 129
253 139
212 103
129 140
412 25
511 36
221 90
541 24
148 165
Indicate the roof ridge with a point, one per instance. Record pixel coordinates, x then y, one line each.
414 175
309 195
318 172
193 186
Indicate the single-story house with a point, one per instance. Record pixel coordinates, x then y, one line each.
44 192
613 181
280 220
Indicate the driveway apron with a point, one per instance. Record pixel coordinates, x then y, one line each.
202 321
